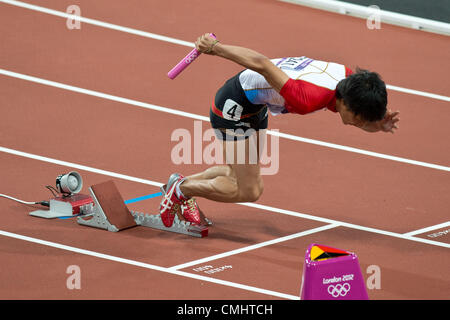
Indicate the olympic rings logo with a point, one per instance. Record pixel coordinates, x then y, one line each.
339 290
191 58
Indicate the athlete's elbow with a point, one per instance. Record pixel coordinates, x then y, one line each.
261 64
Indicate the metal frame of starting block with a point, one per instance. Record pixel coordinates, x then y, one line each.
184 227
98 218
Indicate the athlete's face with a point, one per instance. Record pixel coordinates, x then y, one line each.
347 116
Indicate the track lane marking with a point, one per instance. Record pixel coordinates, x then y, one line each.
248 204
253 247
206 119
80 167
147 265
174 40
122 176
423 230
98 23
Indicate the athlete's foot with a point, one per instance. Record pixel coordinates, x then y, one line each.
174 177
187 209
204 219
191 211
170 205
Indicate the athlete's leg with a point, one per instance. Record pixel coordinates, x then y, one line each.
212 172
239 181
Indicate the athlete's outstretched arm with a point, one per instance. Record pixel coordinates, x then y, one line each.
245 57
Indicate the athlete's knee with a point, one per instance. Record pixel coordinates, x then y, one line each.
261 186
252 193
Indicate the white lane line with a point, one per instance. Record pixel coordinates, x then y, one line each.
253 247
173 40
423 230
344 224
359 151
146 265
418 93
101 95
248 204
79 166
98 23
204 118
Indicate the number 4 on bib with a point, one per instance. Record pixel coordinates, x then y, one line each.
232 110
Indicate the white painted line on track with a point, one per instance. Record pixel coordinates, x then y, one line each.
79 166
173 270
98 23
254 247
418 93
431 228
204 118
343 224
102 95
248 204
359 151
147 265
172 40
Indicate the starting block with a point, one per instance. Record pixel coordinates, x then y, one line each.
109 212
332 274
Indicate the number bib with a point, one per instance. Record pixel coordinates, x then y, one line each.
232 110
294 64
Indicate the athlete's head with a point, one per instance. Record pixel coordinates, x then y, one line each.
363 95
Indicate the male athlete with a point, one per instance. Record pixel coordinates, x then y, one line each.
290 85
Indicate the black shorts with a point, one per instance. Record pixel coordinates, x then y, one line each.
233 116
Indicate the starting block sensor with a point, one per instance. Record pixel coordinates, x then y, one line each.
68 202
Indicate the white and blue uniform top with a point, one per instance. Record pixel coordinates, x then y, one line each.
311 86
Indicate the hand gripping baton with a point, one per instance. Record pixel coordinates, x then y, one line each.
185 62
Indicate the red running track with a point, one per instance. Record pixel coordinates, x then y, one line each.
368 204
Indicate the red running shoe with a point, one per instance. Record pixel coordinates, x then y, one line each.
170 204
191 211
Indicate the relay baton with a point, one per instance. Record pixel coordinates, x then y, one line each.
185 62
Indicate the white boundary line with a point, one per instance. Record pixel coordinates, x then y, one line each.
101 95
253 247
174 270
423 230
385 16
203 118
418 93
248 204
359 151
98 23
171 40
344 224
148 266
79 166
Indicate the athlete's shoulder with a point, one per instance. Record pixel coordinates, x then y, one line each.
348 71
304 97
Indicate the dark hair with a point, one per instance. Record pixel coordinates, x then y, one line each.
364 93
